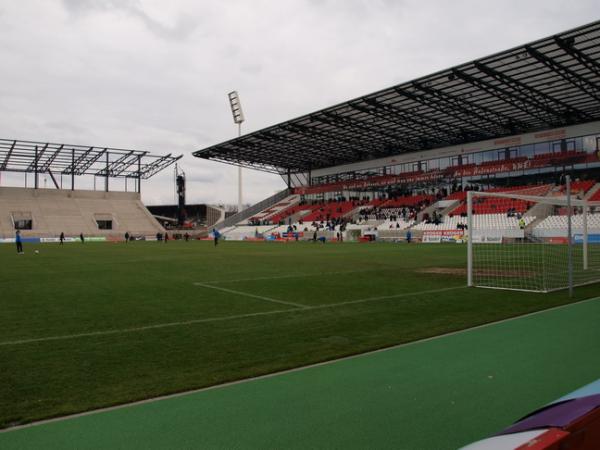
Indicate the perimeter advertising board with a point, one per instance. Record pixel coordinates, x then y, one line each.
437 236
592 239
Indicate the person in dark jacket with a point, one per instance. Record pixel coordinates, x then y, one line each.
19 242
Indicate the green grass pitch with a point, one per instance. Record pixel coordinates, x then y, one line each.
88 326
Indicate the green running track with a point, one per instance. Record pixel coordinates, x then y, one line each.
437 394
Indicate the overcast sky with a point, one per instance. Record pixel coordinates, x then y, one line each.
154 74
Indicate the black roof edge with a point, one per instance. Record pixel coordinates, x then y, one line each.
202 152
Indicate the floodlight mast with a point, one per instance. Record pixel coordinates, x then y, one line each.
238 118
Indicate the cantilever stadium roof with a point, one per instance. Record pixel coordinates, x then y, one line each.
67 159
548 83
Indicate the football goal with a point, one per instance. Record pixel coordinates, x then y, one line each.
539 243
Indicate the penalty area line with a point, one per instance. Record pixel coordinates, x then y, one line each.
388 297
221 319
294 275
247 294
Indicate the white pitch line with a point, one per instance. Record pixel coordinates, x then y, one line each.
217 319
247 294
142 328
276 277
293 370
295 275
387 297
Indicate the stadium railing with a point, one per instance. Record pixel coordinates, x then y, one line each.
252 210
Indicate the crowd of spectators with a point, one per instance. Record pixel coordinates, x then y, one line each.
257 222
512 212
326 214
435 218
406 213
326 208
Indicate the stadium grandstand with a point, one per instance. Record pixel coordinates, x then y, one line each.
42 213
403 159
210 345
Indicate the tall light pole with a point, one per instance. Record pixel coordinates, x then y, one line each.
238 118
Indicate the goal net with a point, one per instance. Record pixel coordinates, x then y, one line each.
538 243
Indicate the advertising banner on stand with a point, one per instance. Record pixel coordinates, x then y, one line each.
437 236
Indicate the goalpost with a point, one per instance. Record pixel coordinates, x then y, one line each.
532 243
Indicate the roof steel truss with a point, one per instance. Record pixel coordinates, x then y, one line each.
46 157
551 82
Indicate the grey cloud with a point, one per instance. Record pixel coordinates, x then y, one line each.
154 75
90 6
180 30
68 127
252 69
202 178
